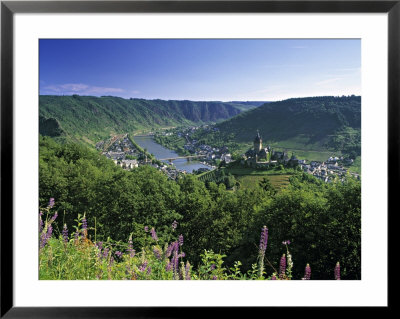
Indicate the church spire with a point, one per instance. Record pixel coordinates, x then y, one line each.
257 142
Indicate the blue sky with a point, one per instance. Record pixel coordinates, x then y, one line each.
201 70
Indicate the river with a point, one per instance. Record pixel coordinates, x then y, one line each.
160 152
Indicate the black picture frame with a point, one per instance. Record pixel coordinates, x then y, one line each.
9 8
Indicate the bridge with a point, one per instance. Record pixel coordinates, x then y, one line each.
170 159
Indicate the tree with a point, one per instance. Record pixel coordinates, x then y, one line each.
266 185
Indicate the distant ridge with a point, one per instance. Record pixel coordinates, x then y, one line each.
93 118
324 122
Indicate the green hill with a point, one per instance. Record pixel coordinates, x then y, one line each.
315 123
89 119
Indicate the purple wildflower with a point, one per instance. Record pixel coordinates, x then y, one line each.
153 234
49 231
168 266
180 240
170 249
174 225
118 254
105 252
46 236
149 270
337 271
65 233
212 267
157 252
214 278
262 248
40 222
84 223
143 266
286 242
99 245
84 227
282 266
130 247
51 203
146 229
175 260
307 273
273 277
54 217
263 240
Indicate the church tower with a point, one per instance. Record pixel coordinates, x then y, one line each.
257 142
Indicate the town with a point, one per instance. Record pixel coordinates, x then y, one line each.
127 154
263 158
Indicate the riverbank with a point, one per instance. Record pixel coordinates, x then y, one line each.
148 144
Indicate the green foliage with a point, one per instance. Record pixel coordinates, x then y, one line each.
315 123
323 221
90 119
266 185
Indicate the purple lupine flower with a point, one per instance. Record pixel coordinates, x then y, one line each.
181 255
46 236
157 252
170 249
263 240
153 234
307 273
180 240
149 270
143 266
54 217
40 222
146 229
43 240
118 254
273 277
214 278
187 271
105 252
130 247
175 260
49 231
84 227
174 225
65 233
337 271
168 266
84 223
282 266
51 203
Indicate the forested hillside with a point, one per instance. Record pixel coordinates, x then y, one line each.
314 123
90 119
321 220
